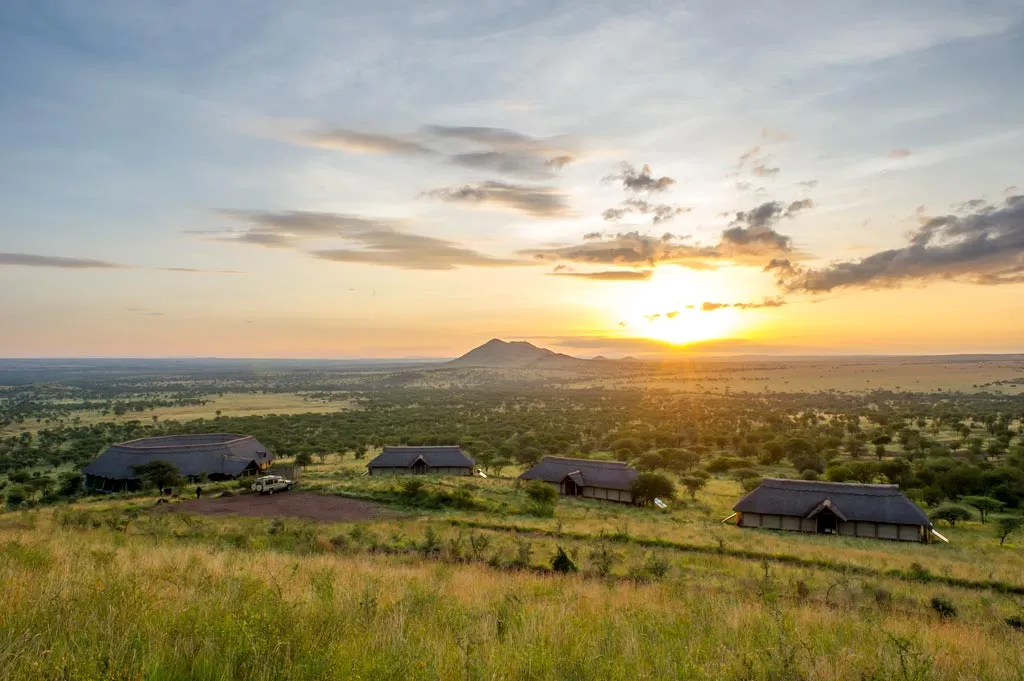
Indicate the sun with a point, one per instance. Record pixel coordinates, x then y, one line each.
691 326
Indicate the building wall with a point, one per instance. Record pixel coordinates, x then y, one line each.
848 529
623 496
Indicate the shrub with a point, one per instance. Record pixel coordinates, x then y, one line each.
16 495
604 559
539 509
750 484
561 562
1015 622
541 492
303 459
944 608
809 475
649 486
411 487
693 484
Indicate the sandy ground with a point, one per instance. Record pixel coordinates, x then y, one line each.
288 504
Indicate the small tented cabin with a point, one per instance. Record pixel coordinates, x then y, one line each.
216 456
609 480
422 461
848 509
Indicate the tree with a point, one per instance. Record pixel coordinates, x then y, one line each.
1008 525
950 513
303 459
158 474
693 484
16 496
541 492
70 484
650 462
648 486
985 505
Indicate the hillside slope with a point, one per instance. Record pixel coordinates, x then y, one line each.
500 354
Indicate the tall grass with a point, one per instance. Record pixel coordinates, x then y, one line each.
110 603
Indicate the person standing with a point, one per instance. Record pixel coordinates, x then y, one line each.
199 492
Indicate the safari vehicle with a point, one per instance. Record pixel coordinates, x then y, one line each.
268 484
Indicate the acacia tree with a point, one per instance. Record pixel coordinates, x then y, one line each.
950 513
985 505
1008 525
159 474
694 484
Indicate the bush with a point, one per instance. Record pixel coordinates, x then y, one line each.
944 608
16 495
1015 622
303 459
649 486
541 492
411 487
561 562
750 484
809 475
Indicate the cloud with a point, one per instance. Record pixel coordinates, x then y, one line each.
985 246
65 263
758 164
642 181
377 242
775 135
541 202
808 184
631 249
362 142
660 212
900 153
31 260
609 275
479 148
749 240
767 302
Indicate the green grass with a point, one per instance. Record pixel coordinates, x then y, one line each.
171 598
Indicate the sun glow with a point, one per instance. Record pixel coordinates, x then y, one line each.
669 308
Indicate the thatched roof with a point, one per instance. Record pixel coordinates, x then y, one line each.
193 455
435 457
849 501
584 472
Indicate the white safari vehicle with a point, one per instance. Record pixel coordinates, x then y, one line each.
268 484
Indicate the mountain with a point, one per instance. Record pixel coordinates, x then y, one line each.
500 354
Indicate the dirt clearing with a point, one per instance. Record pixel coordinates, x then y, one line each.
287 504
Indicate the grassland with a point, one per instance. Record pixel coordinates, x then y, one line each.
227 404
104 588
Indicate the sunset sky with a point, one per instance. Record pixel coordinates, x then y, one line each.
342 179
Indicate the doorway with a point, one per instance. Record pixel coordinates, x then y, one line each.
828 523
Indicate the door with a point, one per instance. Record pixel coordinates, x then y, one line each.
419 468
828 523
571 488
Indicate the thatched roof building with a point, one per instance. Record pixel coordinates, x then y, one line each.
449 460
610 480
218 456
855 510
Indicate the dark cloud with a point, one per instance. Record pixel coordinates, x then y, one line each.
541 202
609 275
502 162
900 153
752 232
659 212
378 242
31 260
559 162
983 247
613 214
640 181
364 142
590 236
631 249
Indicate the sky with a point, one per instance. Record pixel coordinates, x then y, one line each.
410 179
